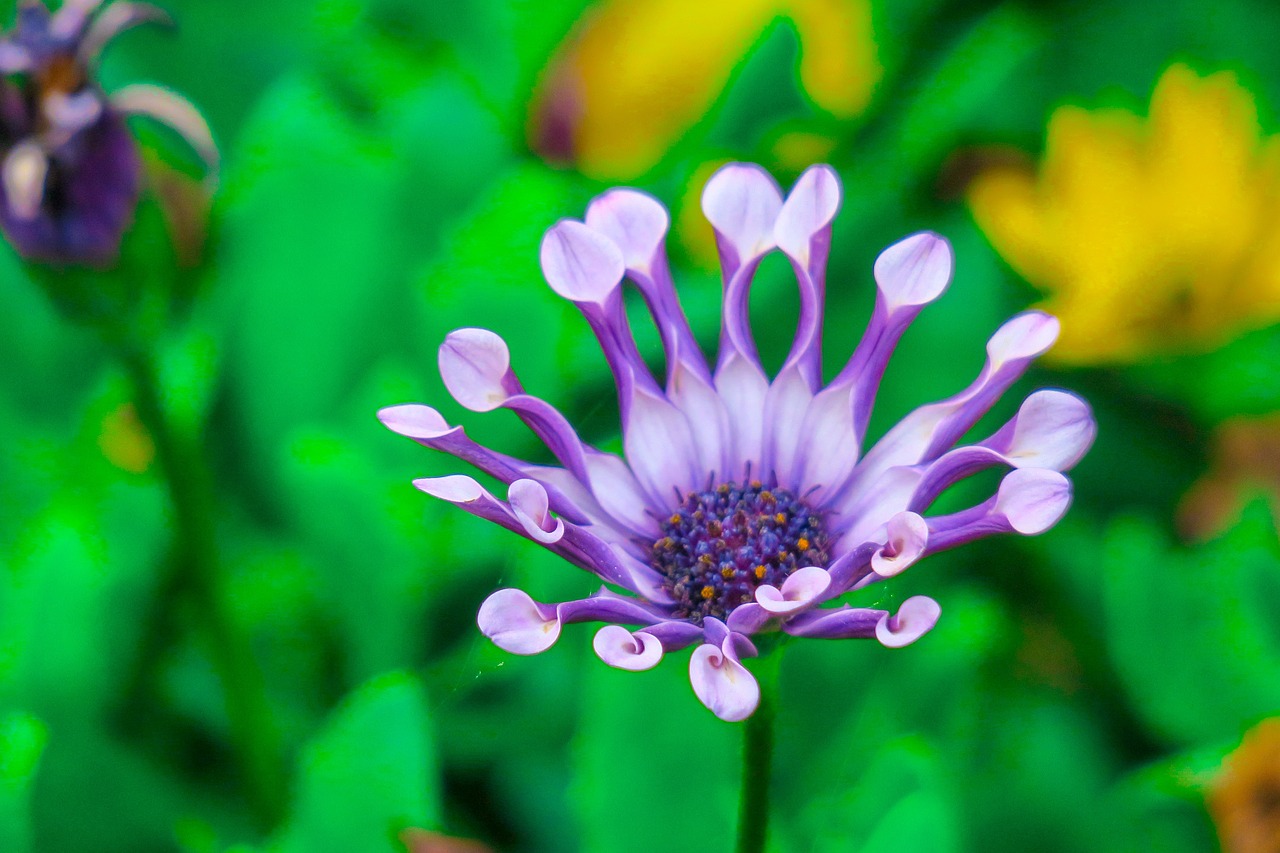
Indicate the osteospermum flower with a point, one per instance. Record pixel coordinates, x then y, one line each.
742 504
70 173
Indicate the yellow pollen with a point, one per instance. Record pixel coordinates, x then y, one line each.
675 518
781 518
707 592
803 544
760 570
726 572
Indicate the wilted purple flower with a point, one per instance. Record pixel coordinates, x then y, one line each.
70 173
744 505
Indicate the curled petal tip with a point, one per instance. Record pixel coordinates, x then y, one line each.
620 648
916 270
636 222
580 263
799 590
908 534
1033 499
722 683
414 420
516 623
1028 335
915 618
476 367
529 502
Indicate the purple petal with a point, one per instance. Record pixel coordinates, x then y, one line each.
722 683
929 431
635 222
476 367
803 232
801 589
914 271
1053 429
623 649
14 58
843 623
907 535
743 386
806 215
785 406
659 447
518 624
742 202
531 506
1033 499
707 415
581 264
915 618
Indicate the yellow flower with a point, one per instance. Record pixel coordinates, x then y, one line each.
1149 235
637 74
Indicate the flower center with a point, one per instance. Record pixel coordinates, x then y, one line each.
722 543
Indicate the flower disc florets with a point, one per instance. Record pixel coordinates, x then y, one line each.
835 515
722 544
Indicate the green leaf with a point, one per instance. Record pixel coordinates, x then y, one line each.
1192 631
654 769
22 740
368 774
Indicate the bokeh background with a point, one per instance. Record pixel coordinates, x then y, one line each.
254 634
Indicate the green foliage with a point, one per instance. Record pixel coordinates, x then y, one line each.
296 666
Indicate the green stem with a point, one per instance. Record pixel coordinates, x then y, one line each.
757 760
195 571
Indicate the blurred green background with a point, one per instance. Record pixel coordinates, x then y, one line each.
306 674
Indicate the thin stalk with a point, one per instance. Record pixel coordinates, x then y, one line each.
195 571
757 760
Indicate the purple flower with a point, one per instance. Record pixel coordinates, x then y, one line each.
742 504
69 169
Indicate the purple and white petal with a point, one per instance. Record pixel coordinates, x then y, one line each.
1053 429
531 506
581 264
802 588
633 651
906 538
475 365
742 202
842 623
722 683
915 618
518 624
635 222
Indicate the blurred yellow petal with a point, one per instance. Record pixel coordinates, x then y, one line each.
1150 235
636 75
640 72
838 63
